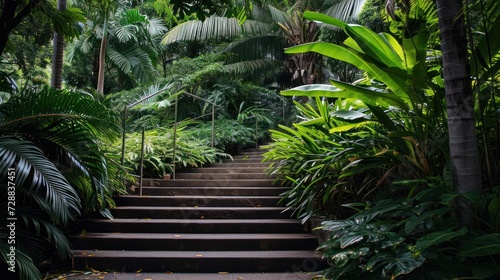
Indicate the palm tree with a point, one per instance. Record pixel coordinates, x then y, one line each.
58 52
261 42
460 102
51 150
14 13
130 47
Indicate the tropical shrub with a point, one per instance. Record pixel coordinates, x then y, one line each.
159 151
384 127
51 150
394 139
410 232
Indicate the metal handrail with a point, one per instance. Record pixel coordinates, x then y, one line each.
141 164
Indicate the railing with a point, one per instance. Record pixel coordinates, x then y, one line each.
141 162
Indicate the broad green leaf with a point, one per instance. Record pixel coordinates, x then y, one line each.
347 127
371 96
488 244
324 18
402 264
438 237
374 45
350 115
391 76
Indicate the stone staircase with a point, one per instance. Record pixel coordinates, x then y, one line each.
219 218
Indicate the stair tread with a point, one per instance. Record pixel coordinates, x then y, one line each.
195 236
202 196
265 254
253 208
204 221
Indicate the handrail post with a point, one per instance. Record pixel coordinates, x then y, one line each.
141 170
256 132
213 125
124 124
175 138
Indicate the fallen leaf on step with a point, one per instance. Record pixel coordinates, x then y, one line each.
196 206
83 233
94 270
138 271
198 255
241 278
202 217
223 272
177 235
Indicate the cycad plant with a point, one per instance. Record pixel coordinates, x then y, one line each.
51 151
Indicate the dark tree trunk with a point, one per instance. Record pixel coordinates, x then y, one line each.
459 103
11 15
58 53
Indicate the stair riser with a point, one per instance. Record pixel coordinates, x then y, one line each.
199 201
207 183
243 160
213 191
192 244
223 176
240 164
253 170
186 227
190 213
200 265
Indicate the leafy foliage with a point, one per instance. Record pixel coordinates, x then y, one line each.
54 140
383 137
158 151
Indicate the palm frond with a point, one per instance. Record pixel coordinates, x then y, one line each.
213 28
280 17
252 67
346 10
156 27
24 264
40 179
258 47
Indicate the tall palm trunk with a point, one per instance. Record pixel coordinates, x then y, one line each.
102 54
460 103
58 53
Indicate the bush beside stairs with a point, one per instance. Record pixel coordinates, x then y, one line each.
219 218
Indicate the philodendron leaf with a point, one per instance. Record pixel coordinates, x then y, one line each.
350 115
437 237
485 245
402 264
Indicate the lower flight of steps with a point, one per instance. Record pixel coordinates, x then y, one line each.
219 218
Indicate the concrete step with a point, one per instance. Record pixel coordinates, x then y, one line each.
194 241
220 218
199 261
253 170
244 160
213 191
163 212
239 164
193 225
198 200
208 183
223 176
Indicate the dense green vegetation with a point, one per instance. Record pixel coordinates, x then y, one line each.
360 116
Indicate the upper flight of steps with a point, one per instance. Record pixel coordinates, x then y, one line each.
220 218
